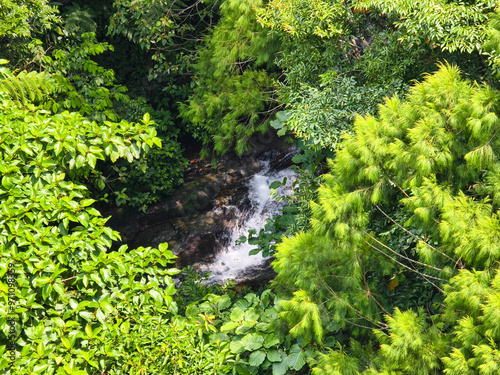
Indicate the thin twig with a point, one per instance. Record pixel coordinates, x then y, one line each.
69 278
402 256
426 277
414 235
379 324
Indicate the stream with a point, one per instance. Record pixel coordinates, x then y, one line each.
232 261
203 219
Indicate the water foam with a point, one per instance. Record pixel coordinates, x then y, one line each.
232 261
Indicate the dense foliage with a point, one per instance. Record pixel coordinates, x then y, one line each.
71 295
425 169
232 99
386 255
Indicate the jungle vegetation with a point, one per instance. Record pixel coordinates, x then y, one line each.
388 253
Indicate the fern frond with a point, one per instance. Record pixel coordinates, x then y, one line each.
26 87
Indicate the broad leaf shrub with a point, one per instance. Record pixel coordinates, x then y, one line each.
91 89
78 309
87 86
153 175
248 327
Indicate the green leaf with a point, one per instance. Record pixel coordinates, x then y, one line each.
299 158
237 314
274 356
88 330
229 326
40 368
80 161
296 358
256 358
279 368
88 316
40 349
224 302
271 340
220 337
252 341
254 251
106 274
40 281
242 329
7 182
101 317
156 296
192 310
276 124
236 347
125 327
282 115
241 304
275 185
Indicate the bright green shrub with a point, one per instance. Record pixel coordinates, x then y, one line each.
73 301
257 339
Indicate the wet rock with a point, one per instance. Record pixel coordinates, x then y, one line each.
257 276
282 159
197 246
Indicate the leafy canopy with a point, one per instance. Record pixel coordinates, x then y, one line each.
450 25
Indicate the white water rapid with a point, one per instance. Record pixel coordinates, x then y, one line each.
233 261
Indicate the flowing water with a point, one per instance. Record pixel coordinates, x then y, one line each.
233 261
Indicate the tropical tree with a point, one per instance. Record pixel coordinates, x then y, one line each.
169 32
449 25
406 216
23 25
233 94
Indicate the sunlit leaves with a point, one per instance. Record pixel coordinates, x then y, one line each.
70 291
304 18
435 154
453 26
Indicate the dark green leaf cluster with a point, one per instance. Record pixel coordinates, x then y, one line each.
150 177
88 87
169 30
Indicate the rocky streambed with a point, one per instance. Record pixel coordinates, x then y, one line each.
201 219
